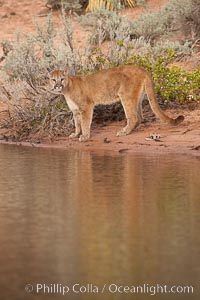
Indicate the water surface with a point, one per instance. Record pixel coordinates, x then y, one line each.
70 217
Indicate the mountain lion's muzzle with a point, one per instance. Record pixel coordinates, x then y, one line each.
58 88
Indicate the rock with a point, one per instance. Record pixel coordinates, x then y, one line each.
106 140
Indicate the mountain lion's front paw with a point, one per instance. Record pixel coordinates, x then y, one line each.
74 135
84 138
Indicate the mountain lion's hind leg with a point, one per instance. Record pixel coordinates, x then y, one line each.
77 123
131 112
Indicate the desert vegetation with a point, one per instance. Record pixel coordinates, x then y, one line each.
155 40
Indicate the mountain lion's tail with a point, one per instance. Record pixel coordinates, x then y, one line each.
150 91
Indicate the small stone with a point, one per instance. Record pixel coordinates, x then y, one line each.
106 140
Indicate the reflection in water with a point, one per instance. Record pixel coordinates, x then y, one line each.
80 217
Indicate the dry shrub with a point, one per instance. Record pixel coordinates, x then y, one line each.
191 21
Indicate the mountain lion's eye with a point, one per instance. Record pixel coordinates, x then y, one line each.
53 79
62 79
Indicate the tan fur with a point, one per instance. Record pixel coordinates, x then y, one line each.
125 83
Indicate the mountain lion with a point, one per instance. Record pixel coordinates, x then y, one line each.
125 83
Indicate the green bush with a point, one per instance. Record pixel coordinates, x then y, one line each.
175 84
172 84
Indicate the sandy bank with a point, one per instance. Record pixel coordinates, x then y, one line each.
183 139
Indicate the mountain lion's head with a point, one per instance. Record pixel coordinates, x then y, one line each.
58 80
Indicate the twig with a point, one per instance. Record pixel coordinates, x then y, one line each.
196 147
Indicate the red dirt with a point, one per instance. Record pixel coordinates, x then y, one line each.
150 6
